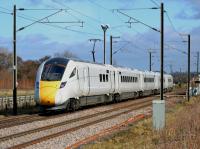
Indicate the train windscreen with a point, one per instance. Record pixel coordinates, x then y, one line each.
54 69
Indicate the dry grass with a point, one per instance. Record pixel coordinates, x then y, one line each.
183 127
8 92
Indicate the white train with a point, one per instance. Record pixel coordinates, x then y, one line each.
68 84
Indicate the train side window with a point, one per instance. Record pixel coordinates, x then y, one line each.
100 77
103 77
106 78
73 73
121 78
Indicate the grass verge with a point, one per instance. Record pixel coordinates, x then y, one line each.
8 92
182 129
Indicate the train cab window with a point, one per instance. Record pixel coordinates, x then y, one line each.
106 78
73 73
54 69
100 77
103 77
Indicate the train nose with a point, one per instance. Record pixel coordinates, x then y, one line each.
48 90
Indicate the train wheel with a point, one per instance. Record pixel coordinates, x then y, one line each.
116 98
140 94
74 105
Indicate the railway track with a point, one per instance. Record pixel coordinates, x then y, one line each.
14 121
127 109
19 120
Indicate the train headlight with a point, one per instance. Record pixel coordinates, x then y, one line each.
63 84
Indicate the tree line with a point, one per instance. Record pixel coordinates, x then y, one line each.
26 69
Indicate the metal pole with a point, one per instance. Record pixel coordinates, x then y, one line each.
93 50
161 50
14 64
171 70
111 50
197 63
188 86
150 61
104 48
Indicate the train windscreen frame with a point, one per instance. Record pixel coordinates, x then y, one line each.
54 69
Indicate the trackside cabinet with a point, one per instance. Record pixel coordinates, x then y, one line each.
158 114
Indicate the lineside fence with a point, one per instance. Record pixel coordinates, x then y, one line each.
22 84
25 103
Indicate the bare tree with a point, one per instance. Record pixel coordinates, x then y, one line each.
66 54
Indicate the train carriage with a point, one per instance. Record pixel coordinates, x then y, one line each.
63 83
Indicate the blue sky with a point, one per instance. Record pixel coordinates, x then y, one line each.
40 39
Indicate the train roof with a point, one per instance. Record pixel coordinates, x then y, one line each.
66 60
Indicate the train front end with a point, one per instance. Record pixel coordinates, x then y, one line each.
48 83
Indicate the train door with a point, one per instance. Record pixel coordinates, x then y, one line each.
86 83
117 77
142 83
112 81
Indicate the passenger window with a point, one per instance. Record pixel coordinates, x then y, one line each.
100 77
103 77
106 78
73 73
